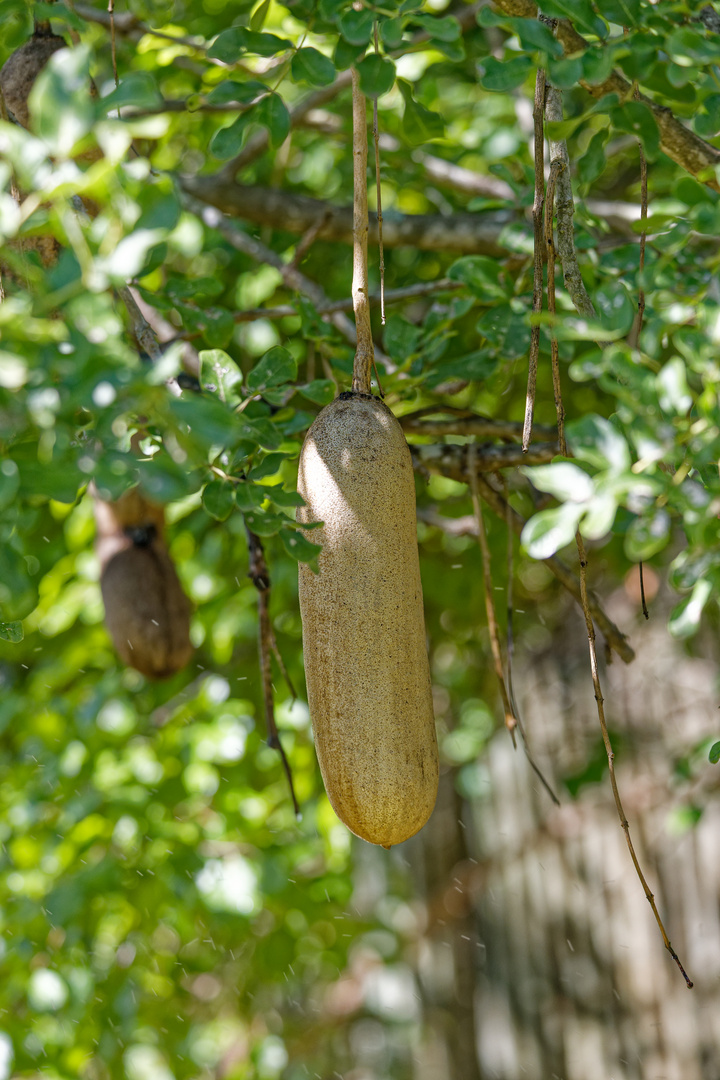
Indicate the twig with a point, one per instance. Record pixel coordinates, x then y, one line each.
539 251
645 611
113 47
611 755
364 354
308 239
376 140
556 168
634 336
510 719
614 636
258 574
427 288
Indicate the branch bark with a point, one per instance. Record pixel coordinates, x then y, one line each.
465 234
685 148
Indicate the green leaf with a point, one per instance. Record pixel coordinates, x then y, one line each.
321 391
243 92
647 535
672 387
137 88
249 497
164 480
685 619
377 75
592 163
272 112
276 367
227 142
550 530
309 65
219 327
9 481
481 275
506 329
391 33
264 524
475 366
620 12
714 754
61 106
268 466
357 26
445 28
579 12
419 124
285 498
637 119
599 515
18 592
346 55
230 45
257 19
401 338
595 440
11 631
209 422
218 498
562 479
219 374
535 35
298 546
504 75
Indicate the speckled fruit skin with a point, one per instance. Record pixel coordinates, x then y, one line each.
146 611
366 662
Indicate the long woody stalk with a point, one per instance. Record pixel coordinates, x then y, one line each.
364 354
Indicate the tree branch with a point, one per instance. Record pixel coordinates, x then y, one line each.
451 460
685 148
407 292
466 423
466 234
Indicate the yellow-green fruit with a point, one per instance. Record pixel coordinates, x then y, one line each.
366 661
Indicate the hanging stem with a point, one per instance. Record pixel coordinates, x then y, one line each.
376 141
539 245
611 757
510 719
261 580
365 353
555 170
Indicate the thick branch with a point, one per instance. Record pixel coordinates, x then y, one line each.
452 462
465 423
466 234
685 148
